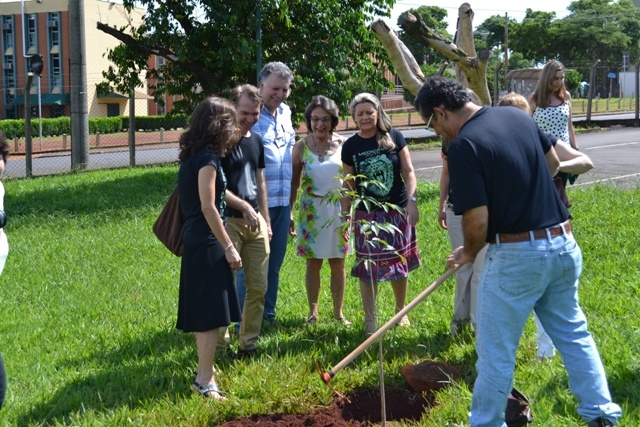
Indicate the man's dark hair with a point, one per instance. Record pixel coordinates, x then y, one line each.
439 91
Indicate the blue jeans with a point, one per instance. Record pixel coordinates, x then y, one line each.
280 217
540 275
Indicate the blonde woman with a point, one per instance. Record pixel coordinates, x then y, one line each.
378 157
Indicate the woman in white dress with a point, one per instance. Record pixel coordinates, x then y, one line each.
321 233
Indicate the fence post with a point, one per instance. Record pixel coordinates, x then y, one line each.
64 141
161 135
97 139
16 144
409 119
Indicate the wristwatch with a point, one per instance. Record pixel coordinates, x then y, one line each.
413 198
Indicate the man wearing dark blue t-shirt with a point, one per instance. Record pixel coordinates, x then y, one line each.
500 183
248 222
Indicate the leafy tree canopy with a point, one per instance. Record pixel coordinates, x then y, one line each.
533 38
597 29
435 18
490 33
211 45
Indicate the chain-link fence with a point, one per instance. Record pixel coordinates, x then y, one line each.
155 139
111 145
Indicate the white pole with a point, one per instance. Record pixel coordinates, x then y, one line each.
40 110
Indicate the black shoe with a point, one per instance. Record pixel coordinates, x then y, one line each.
600 422
246 354
227 353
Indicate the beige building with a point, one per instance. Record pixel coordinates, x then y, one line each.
46 32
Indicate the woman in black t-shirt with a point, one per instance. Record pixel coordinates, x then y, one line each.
382 176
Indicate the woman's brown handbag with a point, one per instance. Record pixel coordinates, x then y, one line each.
168 226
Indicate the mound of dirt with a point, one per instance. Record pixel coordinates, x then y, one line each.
359 409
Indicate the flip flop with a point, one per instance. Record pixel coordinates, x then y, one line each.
212 391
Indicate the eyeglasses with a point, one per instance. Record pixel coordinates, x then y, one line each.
321 119
429 122
281 138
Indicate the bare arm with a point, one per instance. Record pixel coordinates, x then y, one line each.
263 204
572 131
572 161
349 185
532 105
552 161
296 177
444 194
248 213
207 193
409 177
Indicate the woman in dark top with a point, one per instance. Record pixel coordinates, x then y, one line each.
378 157
207 298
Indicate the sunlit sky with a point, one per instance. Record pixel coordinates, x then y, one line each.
482 9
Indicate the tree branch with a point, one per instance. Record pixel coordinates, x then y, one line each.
199 70
472 69
135 44
403 61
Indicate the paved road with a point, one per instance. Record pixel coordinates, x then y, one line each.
615 153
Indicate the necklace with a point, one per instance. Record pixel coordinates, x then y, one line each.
317 150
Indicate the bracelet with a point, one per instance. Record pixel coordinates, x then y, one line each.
228 247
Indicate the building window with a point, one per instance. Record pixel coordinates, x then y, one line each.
113 110
32 34
55 64
8 89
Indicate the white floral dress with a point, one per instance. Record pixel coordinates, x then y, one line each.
319 225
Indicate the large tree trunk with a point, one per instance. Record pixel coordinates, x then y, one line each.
472 68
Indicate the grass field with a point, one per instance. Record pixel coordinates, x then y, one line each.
88 302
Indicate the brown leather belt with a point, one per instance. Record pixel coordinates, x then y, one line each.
537 234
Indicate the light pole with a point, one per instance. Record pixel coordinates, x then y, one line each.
24 54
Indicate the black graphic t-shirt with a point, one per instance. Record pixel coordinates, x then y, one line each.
378 166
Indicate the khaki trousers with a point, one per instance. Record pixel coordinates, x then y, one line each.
253 247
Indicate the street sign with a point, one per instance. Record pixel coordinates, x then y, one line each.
612 75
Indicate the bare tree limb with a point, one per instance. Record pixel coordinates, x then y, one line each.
472 66
135 44
198 69
403 61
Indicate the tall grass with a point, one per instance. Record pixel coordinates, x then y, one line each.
88 303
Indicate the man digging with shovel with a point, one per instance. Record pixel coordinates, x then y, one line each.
500 183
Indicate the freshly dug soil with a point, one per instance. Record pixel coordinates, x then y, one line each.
359 409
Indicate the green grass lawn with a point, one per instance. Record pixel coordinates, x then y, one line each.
88 302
